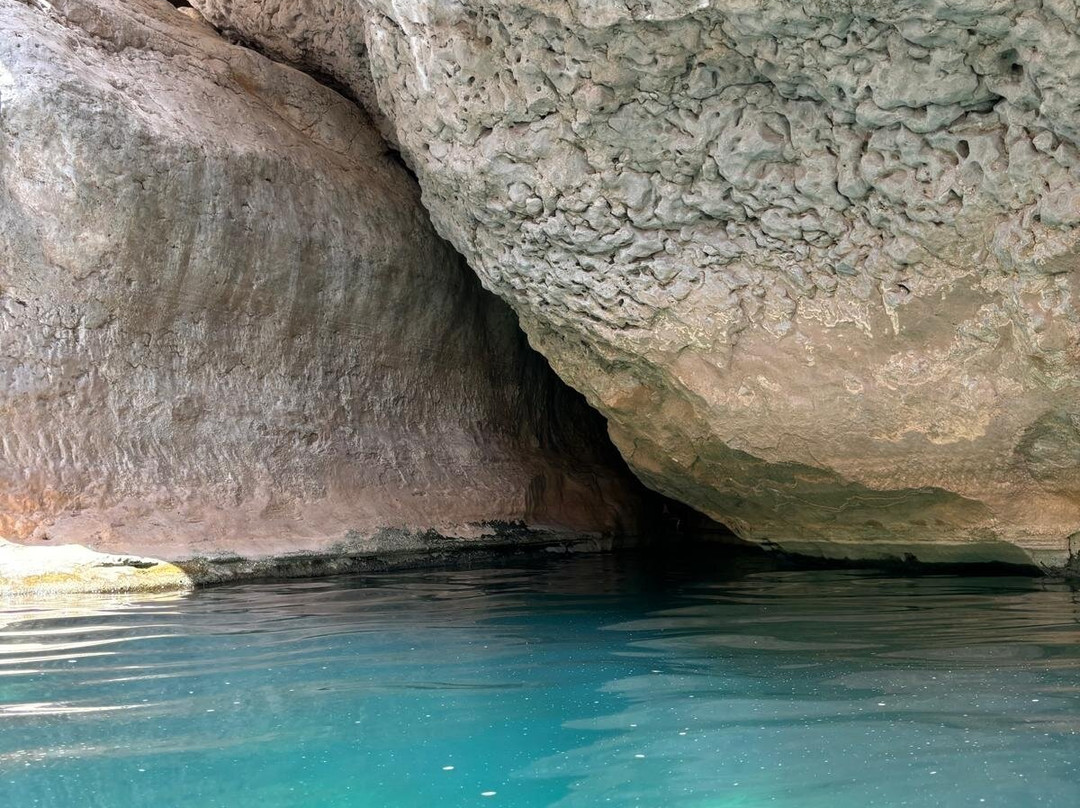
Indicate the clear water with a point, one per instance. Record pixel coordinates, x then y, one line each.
590 681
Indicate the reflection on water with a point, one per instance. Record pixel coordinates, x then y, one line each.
590 681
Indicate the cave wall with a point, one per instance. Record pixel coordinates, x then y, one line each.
228 328
817 263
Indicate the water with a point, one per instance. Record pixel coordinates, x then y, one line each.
582 682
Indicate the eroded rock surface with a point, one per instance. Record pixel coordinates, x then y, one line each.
816 262
227 327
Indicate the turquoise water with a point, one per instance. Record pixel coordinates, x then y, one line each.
579 682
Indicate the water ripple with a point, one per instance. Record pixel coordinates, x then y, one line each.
585 682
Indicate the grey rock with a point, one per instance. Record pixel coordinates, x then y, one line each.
227 327
816 262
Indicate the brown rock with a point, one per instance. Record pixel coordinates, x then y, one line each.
227 327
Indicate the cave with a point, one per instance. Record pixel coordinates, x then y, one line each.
539 402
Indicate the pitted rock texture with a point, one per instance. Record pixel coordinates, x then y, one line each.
227 327
816 262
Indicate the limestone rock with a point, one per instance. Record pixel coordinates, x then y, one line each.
72 569
227 327
816 262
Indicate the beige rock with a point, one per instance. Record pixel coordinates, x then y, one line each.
816 262
228 329
70 569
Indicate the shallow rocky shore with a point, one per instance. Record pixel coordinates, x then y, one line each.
66 569
70 569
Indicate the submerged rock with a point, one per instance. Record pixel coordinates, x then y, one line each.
818 263
228 329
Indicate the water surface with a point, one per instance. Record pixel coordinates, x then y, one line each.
577 682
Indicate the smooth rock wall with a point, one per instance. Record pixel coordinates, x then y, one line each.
228 328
